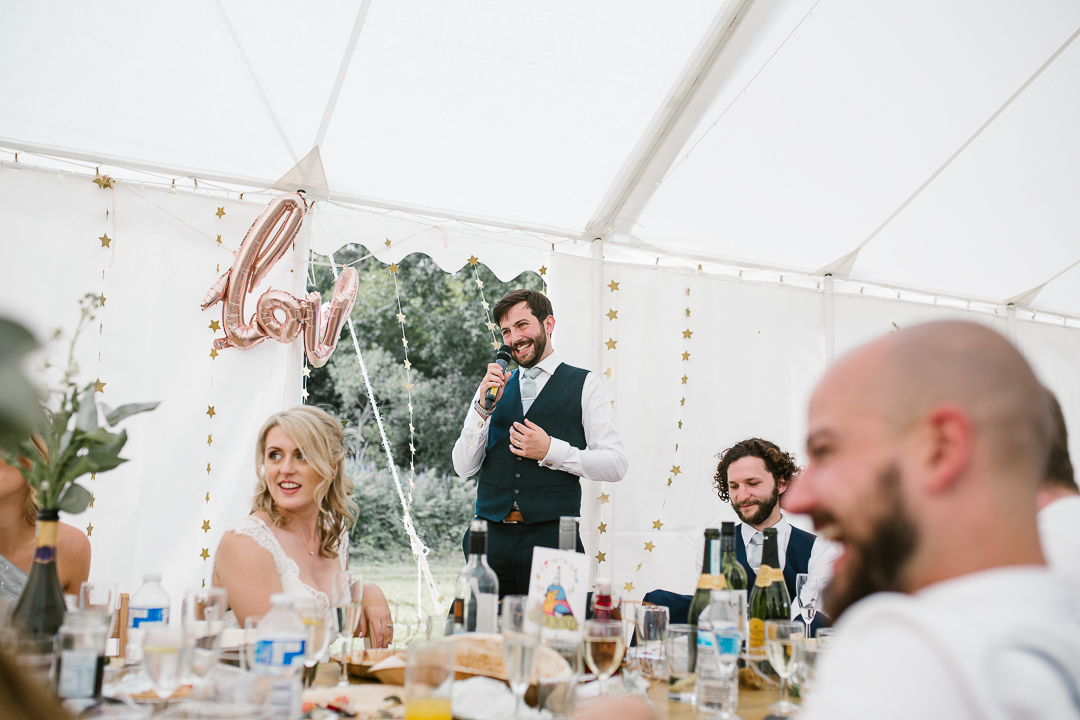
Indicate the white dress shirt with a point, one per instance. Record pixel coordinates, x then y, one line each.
602 459
1059 532
994 645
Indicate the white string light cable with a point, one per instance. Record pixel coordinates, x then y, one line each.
420 551
408 382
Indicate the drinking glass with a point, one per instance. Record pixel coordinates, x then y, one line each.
650 625
97 596
677 643
347 598
825 636
429 678
808 594
781 637
251 637
521 636
727 614
166 658
203 619
806 656
320 626
603 649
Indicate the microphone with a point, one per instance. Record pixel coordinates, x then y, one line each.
503 358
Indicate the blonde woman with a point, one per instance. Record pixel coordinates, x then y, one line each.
296 536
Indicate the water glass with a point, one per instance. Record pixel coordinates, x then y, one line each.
781 639
806 657
251 638
825 636
429 678
521 637
320 626
97 596
347 599
203 619
677 643
808 589
650 625
166 656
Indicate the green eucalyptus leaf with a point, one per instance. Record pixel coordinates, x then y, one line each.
65 440
76 499
114 416
100 462
87 421
101 436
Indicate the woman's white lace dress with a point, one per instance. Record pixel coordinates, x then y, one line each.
287 569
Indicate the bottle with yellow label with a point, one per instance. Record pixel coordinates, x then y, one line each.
769 599
711 579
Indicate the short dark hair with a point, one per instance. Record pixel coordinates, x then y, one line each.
1059 469
536 300
781 465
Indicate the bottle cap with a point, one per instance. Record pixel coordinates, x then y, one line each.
770 531
151 577
727 528
478 525
281 599
712 533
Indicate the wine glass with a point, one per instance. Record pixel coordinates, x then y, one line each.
320 626
347 598
808 594
603 649
781 637
166 658
521 636
203 619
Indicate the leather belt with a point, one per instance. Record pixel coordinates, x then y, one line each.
513 517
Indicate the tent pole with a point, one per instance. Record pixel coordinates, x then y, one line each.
1010 324
830 335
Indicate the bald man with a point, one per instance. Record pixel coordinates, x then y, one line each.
926 449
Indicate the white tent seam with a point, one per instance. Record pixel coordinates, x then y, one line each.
343 70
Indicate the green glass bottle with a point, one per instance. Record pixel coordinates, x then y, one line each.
734 572
769 600
711 578
40 611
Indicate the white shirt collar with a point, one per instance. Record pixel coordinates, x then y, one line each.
783 529
549 364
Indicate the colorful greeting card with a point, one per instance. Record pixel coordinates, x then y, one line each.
558 585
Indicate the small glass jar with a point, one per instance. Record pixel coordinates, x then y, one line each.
80 654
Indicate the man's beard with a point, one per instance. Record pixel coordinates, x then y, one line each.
764 509
539 347
876 563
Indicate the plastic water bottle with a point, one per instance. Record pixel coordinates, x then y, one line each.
279 656
149 607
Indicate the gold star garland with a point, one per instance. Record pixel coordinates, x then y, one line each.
474 263
611 344
394 269
205 486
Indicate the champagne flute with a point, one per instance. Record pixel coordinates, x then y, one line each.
347 597
808 594
203 620
521 636
603 649
320 626
781 637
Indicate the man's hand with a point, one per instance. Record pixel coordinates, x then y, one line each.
495 378
529 440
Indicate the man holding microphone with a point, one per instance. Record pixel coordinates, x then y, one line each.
551 425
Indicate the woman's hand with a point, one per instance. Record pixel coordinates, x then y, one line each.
375 621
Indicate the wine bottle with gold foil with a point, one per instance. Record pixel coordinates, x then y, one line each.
734 572
40 611
711 578
769 599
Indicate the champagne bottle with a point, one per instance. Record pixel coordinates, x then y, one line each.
734 572
476 590
40 610
769 599
711 579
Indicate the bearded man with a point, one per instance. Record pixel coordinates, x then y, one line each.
926 450
551 425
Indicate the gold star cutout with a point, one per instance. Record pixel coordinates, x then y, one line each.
393 268
543 270
304 394
687 333
307 371
210 411
639 566
408 386
485 304
92 498
687 312
105 240
101 300
491 326
89 530
479 283
407 364
213 353
676 469
207 497
600 557
473 260
495 344
220 212
99 387
649 546
685 378
682 401
612 314
613 286
657 525
611 344
102 181
680 424
669 482
209 439
205 554
387 242
628 587
218 239
686 356
207 468
603 498
602 528
400 317
405 342
205 525
93 476
610 374
215 325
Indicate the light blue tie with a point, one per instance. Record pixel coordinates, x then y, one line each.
528 388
